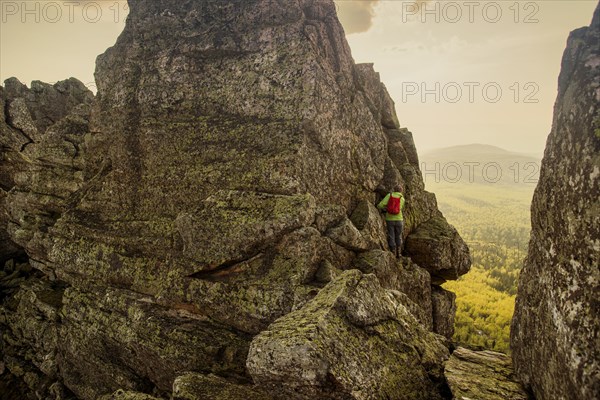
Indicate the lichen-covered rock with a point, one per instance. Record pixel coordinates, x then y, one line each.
51 182
402 276
29 322
437 247
348 236
253 293
199 387
444 310
123 395
483 375
25 117
229 227
405 137
367 219
33 323
225 173
45 104
205 171
555 329
378 99
352 341
13 388
113 338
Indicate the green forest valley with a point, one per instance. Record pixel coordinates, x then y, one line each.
488 200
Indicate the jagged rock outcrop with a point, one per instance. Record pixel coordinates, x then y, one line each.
221 183
336 345
482 375
42 131
28 123
556 326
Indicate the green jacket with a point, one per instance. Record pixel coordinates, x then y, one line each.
383 205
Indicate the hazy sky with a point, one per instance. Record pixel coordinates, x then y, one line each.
460 71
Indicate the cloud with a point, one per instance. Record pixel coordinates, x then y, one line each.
357 15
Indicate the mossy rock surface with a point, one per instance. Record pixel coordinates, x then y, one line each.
231 226
556 324
352 333
114 339
403 276
444 309
223 176
205 387
483 375
123 395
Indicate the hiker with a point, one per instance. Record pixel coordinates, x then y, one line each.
392 205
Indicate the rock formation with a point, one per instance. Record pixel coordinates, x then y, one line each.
482 375
207 220
26 117
556 325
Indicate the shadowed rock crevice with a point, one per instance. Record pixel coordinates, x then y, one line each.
224 271
30 319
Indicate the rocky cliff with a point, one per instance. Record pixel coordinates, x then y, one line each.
206 224
556 325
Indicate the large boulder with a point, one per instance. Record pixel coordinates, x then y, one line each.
368 221
249 135
436 246
555 329
225 173
336 346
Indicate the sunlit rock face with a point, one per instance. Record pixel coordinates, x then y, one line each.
224 176
557 317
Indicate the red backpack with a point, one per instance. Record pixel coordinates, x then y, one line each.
393 206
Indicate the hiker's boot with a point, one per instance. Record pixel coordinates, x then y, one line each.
397 252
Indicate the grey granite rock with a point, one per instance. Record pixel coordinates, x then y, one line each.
225 173
354 340
556 326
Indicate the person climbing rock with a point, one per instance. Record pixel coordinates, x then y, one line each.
392 205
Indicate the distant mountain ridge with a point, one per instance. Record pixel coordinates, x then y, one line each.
476 150
479 164
494 220
472 147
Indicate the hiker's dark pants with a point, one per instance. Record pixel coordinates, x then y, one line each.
394 234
